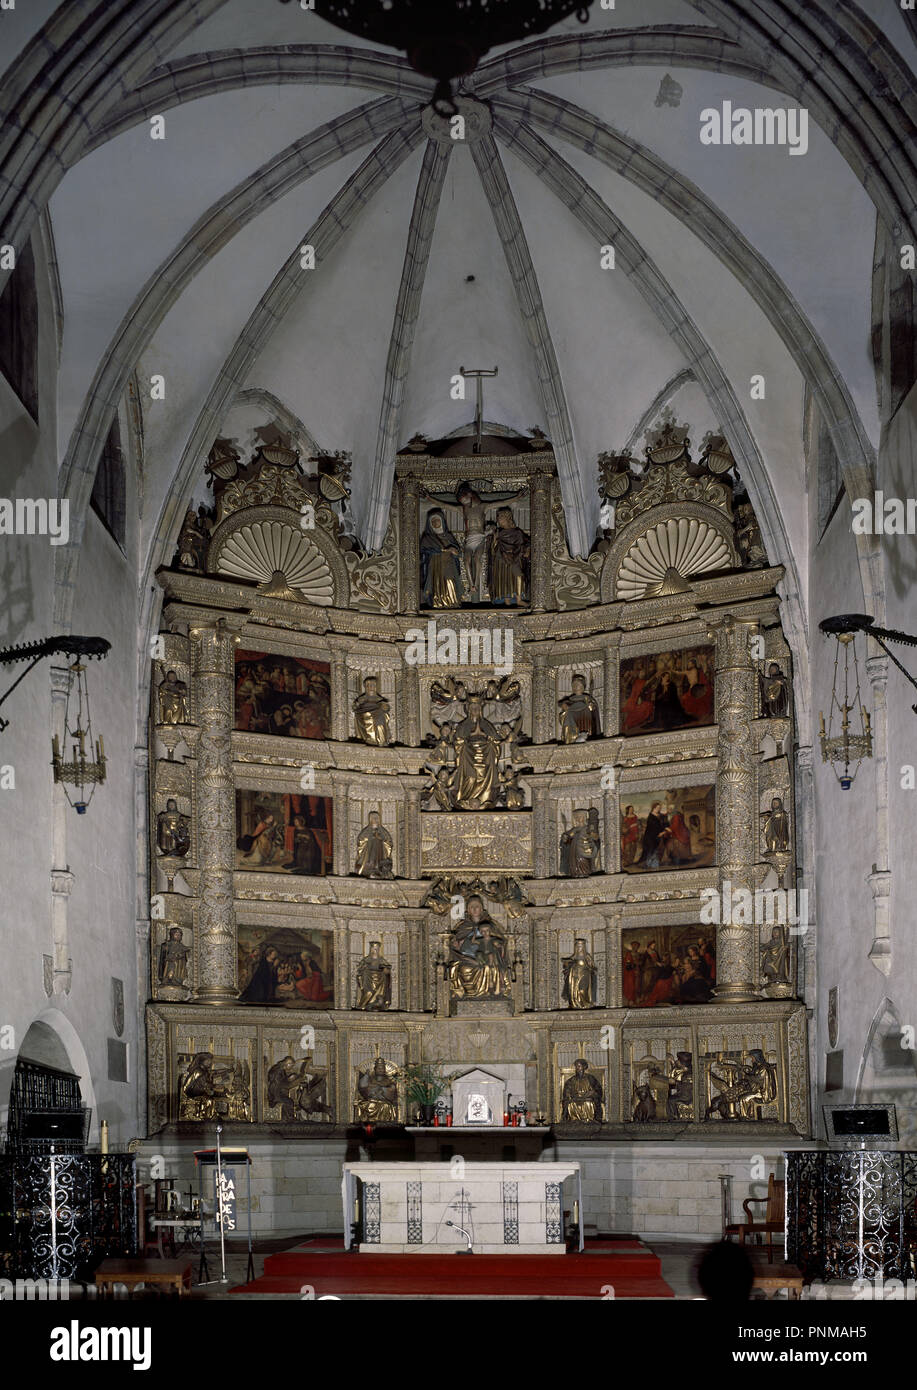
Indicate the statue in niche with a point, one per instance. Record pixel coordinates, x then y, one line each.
478 967
580 845
580 977
775 957
511 794
670 1085
173 700
374 981
173 830
173 959
579 714
477 753
297 1088
775 692
508 892
582 1096
475 542
776 828
374 849
371 714
509 561
377 1093
750 1081
440 564
500 700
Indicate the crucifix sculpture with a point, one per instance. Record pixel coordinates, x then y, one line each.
478 373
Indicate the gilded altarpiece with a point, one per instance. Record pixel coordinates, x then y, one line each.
547 826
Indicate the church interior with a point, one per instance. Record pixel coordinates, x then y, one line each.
457 706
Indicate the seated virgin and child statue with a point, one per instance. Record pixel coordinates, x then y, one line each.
478 965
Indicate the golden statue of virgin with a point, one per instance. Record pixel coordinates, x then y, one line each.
371 715
478 967
477 756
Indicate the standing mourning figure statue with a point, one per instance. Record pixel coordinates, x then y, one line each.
579 714
374 849
580 846
371 715
580 977
374 980
440 564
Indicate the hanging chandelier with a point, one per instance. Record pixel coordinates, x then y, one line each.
446 39
81 771
846 743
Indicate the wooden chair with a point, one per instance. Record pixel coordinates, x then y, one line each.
773 1222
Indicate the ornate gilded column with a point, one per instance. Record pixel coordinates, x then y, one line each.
610 840
413 823
736 805
542 710
612 918
541 851
411 731
340 708
409 543
414 987
340 794
611 714
540 917
540 530
213 677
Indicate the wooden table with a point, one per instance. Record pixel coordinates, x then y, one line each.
174 1275
773 1277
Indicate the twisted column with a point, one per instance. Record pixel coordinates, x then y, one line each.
736 806
213 677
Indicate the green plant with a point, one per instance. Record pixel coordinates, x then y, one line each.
425 1082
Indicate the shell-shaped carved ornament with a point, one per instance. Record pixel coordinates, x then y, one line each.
666 555
263 549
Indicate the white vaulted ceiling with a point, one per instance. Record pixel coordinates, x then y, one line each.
180 257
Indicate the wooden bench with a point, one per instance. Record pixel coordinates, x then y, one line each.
174 1275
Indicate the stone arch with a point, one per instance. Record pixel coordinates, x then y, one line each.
52 1040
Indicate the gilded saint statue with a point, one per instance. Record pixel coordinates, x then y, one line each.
580 846
374 981
377 1094
214 1088
776 828
477 755
173 700
298 1088
579 714
173 830
374 849
440 564
580 977
775 958
508 561
371 715
775 693
478 967
173 959
582 1096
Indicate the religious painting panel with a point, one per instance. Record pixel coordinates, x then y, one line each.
667 690
285 695
288 966
284 833
667 964
668 829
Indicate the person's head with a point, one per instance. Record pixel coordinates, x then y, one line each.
170 676
656 806
579 946
491 691
580 1066
628 810
465 494
505 518
580 816
505 730
725 1273
776 803
172 805
371 685
271 954
375 947
435 521
635 945
579 685
379 1067
475 908
375 819
773 669
175 934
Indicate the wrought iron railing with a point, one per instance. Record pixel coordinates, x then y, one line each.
62 1214
852 1215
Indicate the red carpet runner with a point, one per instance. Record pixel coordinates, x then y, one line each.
624 1265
